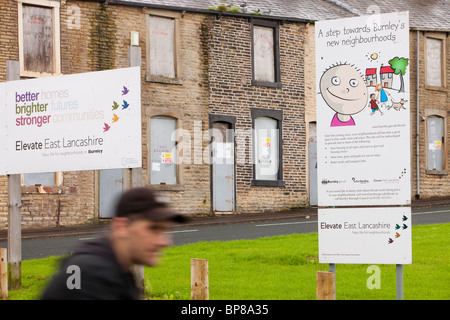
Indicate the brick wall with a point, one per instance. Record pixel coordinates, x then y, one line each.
9 50
231 93
188 102
430 185
74 201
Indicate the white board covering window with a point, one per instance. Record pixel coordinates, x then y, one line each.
163 153
435 143
38 38
162 46
43 179
266 148
263 54
434 62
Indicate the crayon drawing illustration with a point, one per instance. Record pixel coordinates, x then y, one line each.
344 90
383 81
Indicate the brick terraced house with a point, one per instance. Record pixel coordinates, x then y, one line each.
215 80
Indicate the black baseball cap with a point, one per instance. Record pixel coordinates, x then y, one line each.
146 203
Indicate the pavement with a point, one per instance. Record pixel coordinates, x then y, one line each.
102 225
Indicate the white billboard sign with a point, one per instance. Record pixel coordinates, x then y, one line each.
84 121
369 235
363 110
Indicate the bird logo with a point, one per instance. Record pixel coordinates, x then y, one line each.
404 226
115 118
125 105
106 127
404 218
397 227
115 105
397 235
390 241
125 90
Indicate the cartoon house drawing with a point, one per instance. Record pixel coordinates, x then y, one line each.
386 76
371 77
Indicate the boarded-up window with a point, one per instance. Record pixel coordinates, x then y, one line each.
163 153
263 54
162 47
44 179
435 140
38 39
434 62
266 148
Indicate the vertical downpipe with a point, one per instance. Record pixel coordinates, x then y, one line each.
417 117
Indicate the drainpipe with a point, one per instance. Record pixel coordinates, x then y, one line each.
417 119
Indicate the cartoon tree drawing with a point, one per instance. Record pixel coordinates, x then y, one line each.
399 66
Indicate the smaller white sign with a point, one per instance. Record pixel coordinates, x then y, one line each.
365 235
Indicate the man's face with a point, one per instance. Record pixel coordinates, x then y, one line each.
146 239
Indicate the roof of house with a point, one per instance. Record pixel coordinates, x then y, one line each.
305 10
424 15
386 69
371 71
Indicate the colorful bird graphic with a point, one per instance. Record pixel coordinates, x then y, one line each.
115 118
125 90
115 105
125 105
404 218
404 226
106 127
397 227
390 241
397 235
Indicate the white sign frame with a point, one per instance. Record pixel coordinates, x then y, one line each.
365 160
86 121
365 236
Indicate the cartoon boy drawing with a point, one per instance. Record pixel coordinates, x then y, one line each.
374 105
344 90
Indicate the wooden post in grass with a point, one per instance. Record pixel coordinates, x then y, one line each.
325 286
3 274
199 279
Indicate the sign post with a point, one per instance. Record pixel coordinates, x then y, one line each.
363 140
14 205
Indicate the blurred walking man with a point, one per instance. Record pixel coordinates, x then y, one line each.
100 268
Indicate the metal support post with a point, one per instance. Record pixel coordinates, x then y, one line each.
332 268
399 277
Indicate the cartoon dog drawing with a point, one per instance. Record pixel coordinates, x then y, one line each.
398 105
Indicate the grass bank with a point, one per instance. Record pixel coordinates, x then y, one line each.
278 268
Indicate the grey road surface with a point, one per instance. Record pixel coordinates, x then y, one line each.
43 247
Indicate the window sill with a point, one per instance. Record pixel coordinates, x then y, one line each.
167 187
35 74
443 89
160 79
437 172
268 183
38 189
266 84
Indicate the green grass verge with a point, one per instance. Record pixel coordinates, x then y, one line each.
278 268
